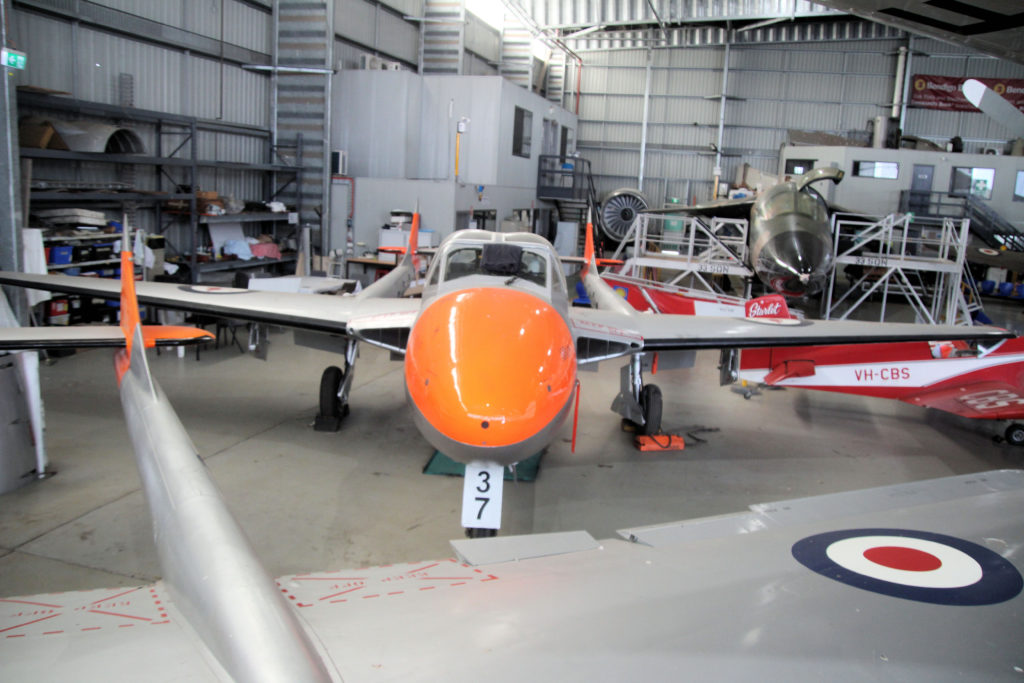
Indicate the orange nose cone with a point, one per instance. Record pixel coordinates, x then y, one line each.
490 367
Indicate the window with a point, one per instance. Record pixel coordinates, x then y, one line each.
1018 187
796 167
889 170
522 133
976 182
567 145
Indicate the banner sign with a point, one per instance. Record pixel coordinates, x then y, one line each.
943 92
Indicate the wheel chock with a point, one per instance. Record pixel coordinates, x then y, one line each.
659 442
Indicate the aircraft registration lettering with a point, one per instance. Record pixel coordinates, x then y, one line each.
991 400
889 374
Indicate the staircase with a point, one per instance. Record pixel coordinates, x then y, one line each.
567 182
986 224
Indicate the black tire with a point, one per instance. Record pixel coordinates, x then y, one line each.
1014 434
473 532
650 403
330 382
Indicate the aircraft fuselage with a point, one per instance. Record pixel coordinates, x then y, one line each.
490 364
790 238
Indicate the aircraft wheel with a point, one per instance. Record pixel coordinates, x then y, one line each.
473 532
331 407
650 403
1014 434
330 383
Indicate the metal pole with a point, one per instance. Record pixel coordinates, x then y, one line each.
721 120
643 126
906 82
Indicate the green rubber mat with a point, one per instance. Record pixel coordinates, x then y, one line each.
440 463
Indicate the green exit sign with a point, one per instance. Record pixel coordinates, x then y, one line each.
13 59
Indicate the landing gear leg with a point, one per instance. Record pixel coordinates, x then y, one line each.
638 403
335 385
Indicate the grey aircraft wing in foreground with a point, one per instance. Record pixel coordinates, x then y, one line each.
907 582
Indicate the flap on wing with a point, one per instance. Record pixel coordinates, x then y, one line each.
498 549
790 368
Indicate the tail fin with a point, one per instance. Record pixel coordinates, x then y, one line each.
130 317
409 250
588 248
414 239
131 321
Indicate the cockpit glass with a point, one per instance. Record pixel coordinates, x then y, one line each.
532 267
462 261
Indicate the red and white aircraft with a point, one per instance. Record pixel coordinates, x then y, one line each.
971 380
492 348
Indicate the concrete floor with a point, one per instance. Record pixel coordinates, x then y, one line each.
312 500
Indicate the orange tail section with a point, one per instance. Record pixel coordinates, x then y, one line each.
131 319
588 247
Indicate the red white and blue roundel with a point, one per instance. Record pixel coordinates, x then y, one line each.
915 565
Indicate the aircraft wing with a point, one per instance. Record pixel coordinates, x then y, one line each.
304 311
724 208
733 597
681 332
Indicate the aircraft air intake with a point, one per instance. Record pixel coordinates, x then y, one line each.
795 262
488 370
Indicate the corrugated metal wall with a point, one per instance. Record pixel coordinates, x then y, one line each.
835 87
91 64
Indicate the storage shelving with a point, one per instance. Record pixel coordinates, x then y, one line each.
177 167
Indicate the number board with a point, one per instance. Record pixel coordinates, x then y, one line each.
481 496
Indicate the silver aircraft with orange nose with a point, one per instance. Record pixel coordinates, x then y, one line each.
492 347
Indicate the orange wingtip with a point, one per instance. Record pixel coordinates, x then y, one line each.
392 250
610 262
173 335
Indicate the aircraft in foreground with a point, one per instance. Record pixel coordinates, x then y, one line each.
846 585
970 380
492 348
790 235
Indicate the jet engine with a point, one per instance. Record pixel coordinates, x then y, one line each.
619 210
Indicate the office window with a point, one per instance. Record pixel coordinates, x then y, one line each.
888 170
974 181
1018 187
795 167
522 133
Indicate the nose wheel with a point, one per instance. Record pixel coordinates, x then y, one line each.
335 384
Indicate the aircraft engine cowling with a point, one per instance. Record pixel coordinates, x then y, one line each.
490 374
